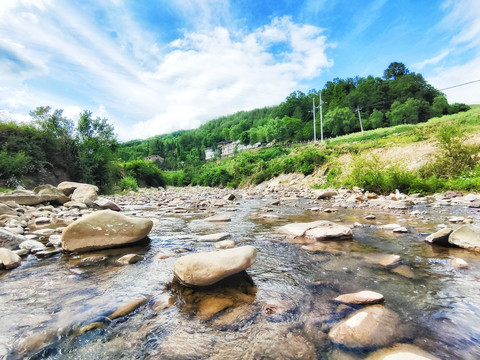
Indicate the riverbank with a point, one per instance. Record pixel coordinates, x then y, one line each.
283 306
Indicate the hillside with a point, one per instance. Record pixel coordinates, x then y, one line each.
437 155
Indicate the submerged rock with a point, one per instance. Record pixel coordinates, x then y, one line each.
372 326
467 237
204 269
318 230
104 229
129 259
219 218
214 237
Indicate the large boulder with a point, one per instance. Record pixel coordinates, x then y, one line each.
104 229
48 189
67 187
7 210
85 193
208 268
8 259
10 240
467 237
373 326
318 230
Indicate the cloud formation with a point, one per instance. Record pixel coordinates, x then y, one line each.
146 87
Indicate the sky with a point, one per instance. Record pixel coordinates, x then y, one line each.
156 66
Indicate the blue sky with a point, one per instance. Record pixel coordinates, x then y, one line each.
157 66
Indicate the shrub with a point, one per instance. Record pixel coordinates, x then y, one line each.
145 172
128 183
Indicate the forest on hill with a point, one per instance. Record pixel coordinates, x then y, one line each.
400 97
52 148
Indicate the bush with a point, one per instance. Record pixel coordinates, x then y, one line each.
145 172
454 157
128 183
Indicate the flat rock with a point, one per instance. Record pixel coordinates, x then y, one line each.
371 326
129 259
362 297
8 259
207 268
75 204
458 263
214 237
440 237
104 229
219 218
28 199
383 259
318 230
401 352
467 237
405 271
325 194
211 305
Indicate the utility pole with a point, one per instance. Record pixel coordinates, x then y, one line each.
321 117
314 125
360 119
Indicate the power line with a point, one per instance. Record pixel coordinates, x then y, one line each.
454 86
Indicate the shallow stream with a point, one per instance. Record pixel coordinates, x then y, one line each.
281 308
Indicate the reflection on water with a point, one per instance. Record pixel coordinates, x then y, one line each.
282 307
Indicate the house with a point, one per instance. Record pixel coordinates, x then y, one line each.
209 154
155 158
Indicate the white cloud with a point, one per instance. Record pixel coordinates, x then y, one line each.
209 72
432 61
455 75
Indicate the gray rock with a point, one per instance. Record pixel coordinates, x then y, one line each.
325 194
6 210
68 187
129 259
440 237
10 240
51 190
467 237
32 246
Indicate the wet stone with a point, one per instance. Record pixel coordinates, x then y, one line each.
361 298
129 259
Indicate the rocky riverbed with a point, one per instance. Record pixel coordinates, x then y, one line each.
336 274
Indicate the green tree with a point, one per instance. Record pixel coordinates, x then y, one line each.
395 70
412 111
340 121
440 106
96 151
376 119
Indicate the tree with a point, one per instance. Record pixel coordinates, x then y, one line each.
376 119
440 106
412 111
340 121
96 150
395 70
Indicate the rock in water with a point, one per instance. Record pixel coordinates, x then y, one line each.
8 259
467 237
318 230
204 269
440 237
104 229
10 240
362 297
372 326
401 352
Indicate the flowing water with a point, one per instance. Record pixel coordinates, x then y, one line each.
281 308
